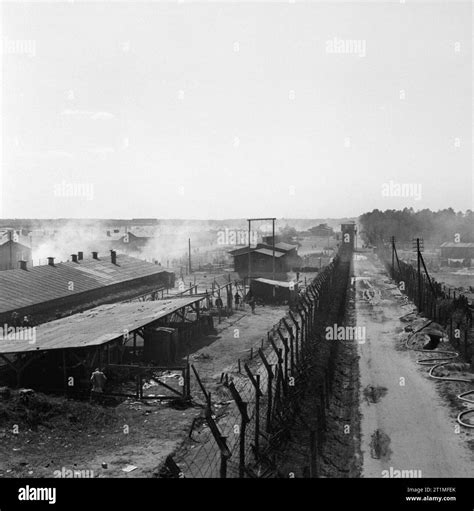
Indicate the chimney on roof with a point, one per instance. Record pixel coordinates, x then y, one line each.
95 255
74 258
80 256
51 261
113 257
23 265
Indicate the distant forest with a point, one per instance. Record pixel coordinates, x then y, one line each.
435 227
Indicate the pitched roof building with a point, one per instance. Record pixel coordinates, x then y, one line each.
451 250
13 248
262 260
60 289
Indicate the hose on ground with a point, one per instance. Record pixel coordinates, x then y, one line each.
446 358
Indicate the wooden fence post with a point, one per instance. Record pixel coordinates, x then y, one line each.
221 443
284 341
297 336
244 420
268 367
207 396
258 393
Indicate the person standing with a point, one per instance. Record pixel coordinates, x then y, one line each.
219 305
251 302
219 302
237 300
15 319
98 381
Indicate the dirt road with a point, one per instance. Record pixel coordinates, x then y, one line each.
405 423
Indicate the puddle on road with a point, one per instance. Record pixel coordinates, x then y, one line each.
374 394
380 445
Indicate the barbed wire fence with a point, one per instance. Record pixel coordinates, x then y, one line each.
259 401
435 300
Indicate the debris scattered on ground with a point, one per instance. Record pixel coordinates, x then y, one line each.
179 404
53 412
202 356
374 394
5 393
456 369
409 318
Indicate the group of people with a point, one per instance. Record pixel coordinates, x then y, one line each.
17 321
249 298
238 301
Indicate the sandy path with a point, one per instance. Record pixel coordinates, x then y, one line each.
408 427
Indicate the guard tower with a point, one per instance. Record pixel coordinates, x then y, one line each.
348 232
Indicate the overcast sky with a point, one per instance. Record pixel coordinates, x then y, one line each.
219 110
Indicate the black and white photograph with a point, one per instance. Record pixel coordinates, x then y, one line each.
236 242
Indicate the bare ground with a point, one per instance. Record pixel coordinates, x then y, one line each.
132 433
412 426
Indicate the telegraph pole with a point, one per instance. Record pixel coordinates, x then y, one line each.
248 269
273 239
189 255
392 239
419 246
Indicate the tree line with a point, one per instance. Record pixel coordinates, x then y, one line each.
435 227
